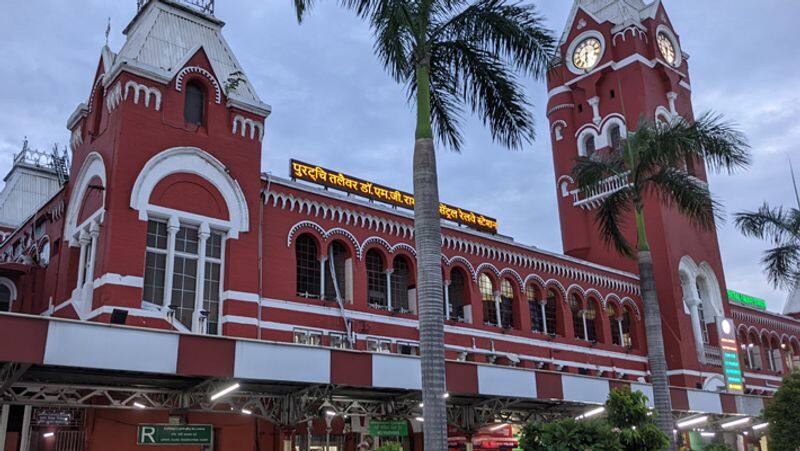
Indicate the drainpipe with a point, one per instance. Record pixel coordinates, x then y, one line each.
263 200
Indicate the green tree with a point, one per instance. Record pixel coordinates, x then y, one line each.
627 412
783 415
652 159
454 56
569 435
781 228
627 426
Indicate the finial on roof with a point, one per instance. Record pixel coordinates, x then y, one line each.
108 30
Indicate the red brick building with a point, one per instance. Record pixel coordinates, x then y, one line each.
163 266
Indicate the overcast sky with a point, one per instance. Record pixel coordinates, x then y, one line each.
334 105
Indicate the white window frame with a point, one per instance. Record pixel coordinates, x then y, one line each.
306 336
381 345
205 227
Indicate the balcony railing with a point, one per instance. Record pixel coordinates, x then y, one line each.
591 199
713 355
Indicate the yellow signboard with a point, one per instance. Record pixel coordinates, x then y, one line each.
373 191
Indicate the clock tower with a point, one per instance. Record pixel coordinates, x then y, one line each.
622 60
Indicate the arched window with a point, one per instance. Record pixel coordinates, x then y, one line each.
487 299
578 323
194 103
506 304
590 319
615 137
536 307
5 298
308 276
589 145
338 263
772 354
615 321
401 284
376 280
620 320
456 293
701 315
551 313
754 352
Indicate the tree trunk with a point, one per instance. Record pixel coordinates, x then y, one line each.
428 238
655 346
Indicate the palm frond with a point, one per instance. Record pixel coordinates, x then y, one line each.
514 32
589 172
774 224
446 112
781 265
610 216
709 138
394 30
688 194
363 8
489 88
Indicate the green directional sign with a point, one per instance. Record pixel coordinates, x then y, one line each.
175 434
745 299
388 428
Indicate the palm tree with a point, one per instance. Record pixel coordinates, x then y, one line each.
781 228
654 159
454 56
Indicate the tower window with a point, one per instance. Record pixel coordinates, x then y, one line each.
589 146
615 137
194 103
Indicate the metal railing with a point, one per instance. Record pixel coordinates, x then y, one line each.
591 199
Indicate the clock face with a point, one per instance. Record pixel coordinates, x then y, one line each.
667 48
587 54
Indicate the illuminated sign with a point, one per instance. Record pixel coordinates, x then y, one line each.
734 379
741 298
373 191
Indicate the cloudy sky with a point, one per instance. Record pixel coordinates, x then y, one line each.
333 104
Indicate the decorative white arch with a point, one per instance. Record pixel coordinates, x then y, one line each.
198 70
709 290
585 133
93 166
608 122
663 114
195 161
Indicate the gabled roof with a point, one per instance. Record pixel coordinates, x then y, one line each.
164 35
618 12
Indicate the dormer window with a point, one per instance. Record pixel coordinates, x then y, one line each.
194 103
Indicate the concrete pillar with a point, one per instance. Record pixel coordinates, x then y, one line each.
25 436
172 229
389 288
446 290
203 234
4 410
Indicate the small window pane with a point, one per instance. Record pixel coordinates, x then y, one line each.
186 240
456 293
157 234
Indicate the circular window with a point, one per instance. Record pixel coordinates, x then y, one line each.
587 54
667 48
